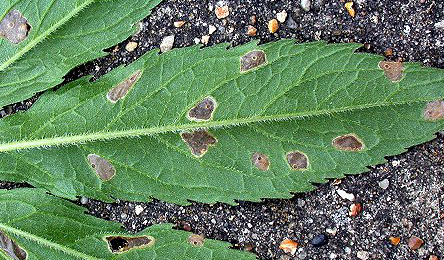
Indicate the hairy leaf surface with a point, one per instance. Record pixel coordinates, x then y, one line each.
77 40
273 119
45 227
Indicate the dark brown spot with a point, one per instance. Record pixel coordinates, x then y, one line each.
261 161
119 244
203 110
11 248
120 91
392 69
348 142
297 160
198 141
252 60
434 110
14 27
196 240
104 169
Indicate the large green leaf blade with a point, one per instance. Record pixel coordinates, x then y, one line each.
101 25
301 100
46 227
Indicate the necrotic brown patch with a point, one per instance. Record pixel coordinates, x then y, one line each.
104 169
297 160
434 110
198 141
392 70
196 240
348 142
120 91
203 111
252 60
261 161
11 248
14 27
119 244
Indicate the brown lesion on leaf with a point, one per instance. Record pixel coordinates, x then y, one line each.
10 247
203 111
252 60
122 89
297 160
434 110
348 142
103 168
14 27
196 240
392 70
260 161
198 141
120 244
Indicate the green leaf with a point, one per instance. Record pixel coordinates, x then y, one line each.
45 227
76 41
309 112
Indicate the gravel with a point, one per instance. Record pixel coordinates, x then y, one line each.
402 198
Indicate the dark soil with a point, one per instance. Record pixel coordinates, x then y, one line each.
413 202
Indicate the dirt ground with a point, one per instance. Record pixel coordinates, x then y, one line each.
401 198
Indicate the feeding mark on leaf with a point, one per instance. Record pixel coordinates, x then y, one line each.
11 248
348 142
198 141
14 27
196 240
392 70
120 91
434 110
297 160
119 244
104 169
252 60
261 161
203 111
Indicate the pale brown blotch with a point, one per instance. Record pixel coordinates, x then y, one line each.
392 70
252 60
11 248
120 244
196 240
198 141
348 142
297 160
104 169
260 161
434 110
122 89
203 111
14 27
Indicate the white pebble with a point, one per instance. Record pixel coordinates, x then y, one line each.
205 39
281 16
306 4
363 255
196 40
346 195
440 25
131 46
83 200
139 209
167 43
211 29
384 184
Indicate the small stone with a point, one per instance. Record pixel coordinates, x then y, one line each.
205 39
363 255
388 52
167 43
273 26
131 46
123 215
253 19
439 25
331 231
347 250
139 209
349 7
415 242
251 31
319 240
306 4
221 11
196 40
179 24
355 209
288 246
384 184
281 16
291 23
83 200
395 240
211 29
333 256
346 195
433 257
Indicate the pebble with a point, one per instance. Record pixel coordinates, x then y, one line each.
196 40
319 240
355 209
167 43
131 46
288 246
273 26
363 255
433 257
205 39
395 240
281 16
221 11
347 250
346 195
415 242
349 7
331 231
211 29
139 209
384 184
333 255
253 19
291 23
251 30
306 4
83 200
123 215
439 25
179 24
